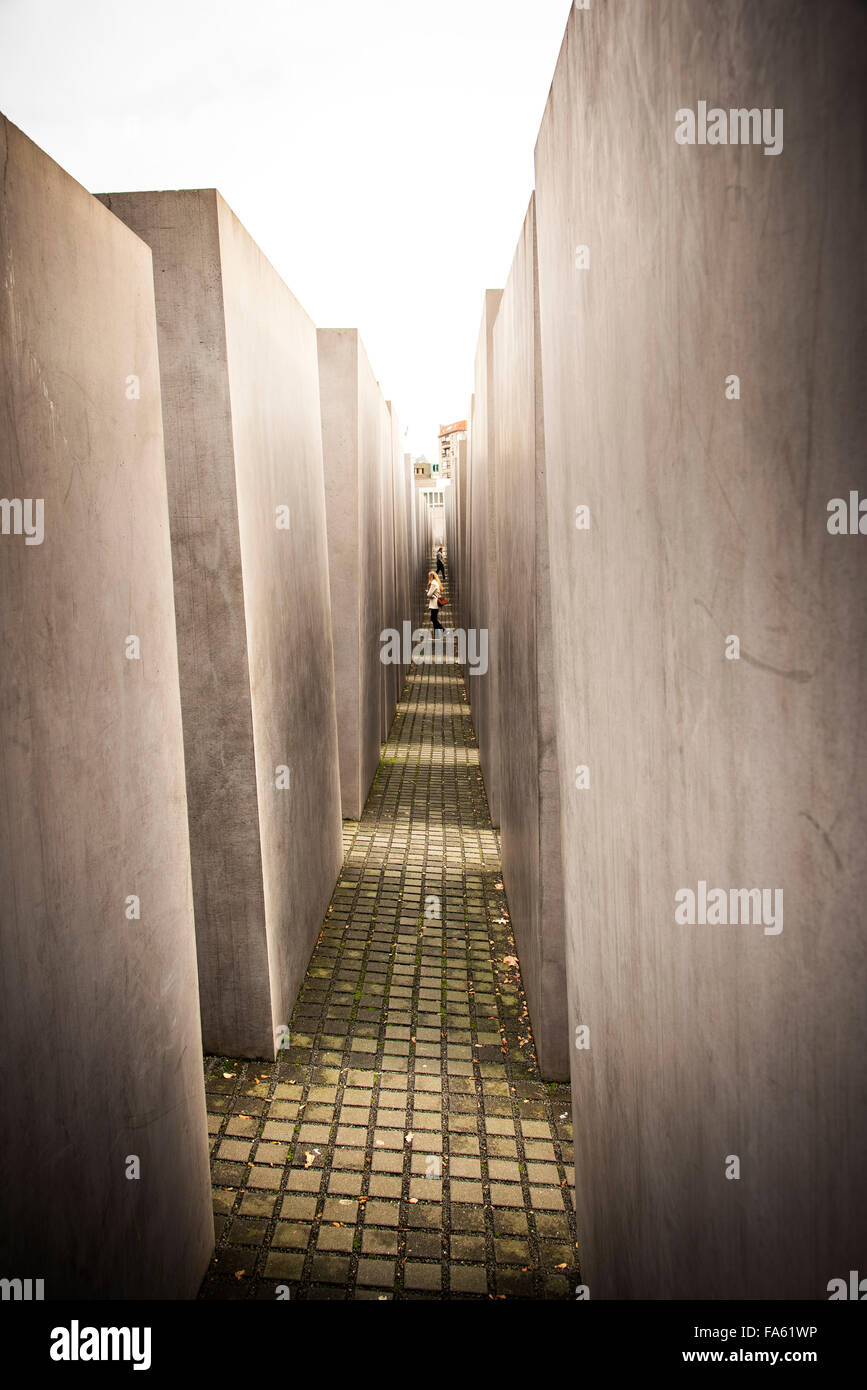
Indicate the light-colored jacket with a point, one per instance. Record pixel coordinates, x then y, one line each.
434 589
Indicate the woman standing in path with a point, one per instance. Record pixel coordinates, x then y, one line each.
434 589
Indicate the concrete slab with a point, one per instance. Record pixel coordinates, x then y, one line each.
708 519
482 554
104 1161
353 444
246 495
529 787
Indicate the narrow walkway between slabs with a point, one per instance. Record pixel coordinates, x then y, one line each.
406 1146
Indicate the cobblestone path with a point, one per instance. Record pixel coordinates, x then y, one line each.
404 1146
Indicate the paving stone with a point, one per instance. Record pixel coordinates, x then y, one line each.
335 1238
543 1173
546 1198
419 1276
467 1248
258 1204
242 1125
284 1110
506 1195
514 1282
278 1129
234 1149
541 1149
468 1218
272 1153
510 1251
280 1266
304 1179
464 1144
382 1214
244 1232
375 1242
381 1186
348 1158
510 1223
265 1177
346 1184
329 1269
292 1235
298 1208
423 1245
421 1215
502 1170
465 1168
468 1279
376 1273
384 1161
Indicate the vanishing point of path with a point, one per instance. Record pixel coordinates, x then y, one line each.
404 1146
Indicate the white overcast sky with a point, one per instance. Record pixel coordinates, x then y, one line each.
379 151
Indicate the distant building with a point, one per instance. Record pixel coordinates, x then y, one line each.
421 470
449 439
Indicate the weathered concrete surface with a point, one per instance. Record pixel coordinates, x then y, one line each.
241 411
529 790
390 672
352 439
425 561
99 1017
484 599
400 485
461 541
458 524
707 519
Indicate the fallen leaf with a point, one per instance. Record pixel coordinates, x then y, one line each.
308 1160
229 1074
510 960
563 1266
239 1273
408 1137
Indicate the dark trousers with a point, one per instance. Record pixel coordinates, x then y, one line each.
440 569
435 619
